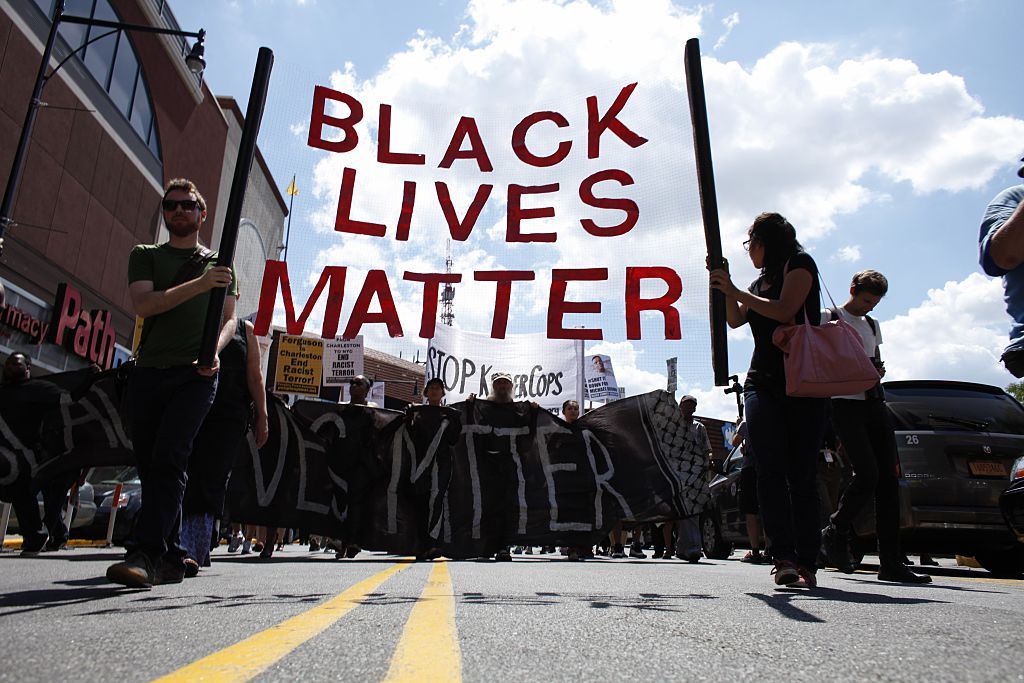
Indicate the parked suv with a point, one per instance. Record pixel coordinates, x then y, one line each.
956 443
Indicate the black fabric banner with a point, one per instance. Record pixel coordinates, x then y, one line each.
470 478
80 426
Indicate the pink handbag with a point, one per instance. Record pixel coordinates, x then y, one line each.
824 360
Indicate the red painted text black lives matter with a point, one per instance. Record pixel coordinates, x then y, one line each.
467 147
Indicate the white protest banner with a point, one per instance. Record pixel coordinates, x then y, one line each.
376 394
543 370
673 374
343 360
601 384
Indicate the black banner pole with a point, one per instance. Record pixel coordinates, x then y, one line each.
233 213
708 206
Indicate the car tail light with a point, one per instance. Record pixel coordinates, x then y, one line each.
899 468
1017 471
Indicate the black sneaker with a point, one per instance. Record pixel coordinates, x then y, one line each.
52 546
136 571
618 552
636 553
898 573
170 571
658 552
785 573
836 550
503 555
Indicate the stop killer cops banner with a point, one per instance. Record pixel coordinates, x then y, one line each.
474 476
543 370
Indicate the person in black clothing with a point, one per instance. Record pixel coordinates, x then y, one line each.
23 404
432 484
240 396
784 430
863 425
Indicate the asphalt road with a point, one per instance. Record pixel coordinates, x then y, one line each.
307 616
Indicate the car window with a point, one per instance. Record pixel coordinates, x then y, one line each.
735 461
953 408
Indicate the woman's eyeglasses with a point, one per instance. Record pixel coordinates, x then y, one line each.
746 245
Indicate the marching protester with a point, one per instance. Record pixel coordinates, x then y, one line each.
169 394
863 425
23 403
502 391
358 391
432 484
571 413
696 448
784 430
747 497
1001 253
241 396
360 469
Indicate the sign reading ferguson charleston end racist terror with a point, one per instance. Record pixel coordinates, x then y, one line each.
608 212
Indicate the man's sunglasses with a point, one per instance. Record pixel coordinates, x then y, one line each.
185 204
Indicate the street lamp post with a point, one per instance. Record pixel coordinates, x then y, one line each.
195 61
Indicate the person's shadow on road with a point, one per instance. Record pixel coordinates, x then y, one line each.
80 591
783 601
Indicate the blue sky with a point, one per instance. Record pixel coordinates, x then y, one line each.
882 129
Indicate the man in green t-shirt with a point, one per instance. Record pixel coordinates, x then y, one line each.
169 394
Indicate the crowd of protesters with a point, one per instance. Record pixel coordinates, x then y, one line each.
187 422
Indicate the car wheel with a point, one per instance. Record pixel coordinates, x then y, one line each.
1004 563
715 547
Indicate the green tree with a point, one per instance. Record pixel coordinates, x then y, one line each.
1016 389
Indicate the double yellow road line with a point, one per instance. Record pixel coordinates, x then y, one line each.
427 651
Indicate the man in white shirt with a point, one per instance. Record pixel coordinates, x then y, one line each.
865 430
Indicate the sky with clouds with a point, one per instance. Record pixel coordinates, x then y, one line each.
880 129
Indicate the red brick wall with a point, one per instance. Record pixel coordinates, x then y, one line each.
91 202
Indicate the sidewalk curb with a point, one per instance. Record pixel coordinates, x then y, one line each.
15 543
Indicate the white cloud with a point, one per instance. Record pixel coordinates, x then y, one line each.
624 361
957 333
798 132
848 254
730 22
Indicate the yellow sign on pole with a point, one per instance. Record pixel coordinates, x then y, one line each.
299 365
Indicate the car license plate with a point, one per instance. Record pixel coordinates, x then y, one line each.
981 468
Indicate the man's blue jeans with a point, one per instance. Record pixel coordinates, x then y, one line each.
166 408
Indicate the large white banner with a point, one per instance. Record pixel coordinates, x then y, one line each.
601 384
543 370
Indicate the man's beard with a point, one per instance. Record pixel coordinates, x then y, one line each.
182 229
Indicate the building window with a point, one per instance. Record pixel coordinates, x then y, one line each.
112 62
